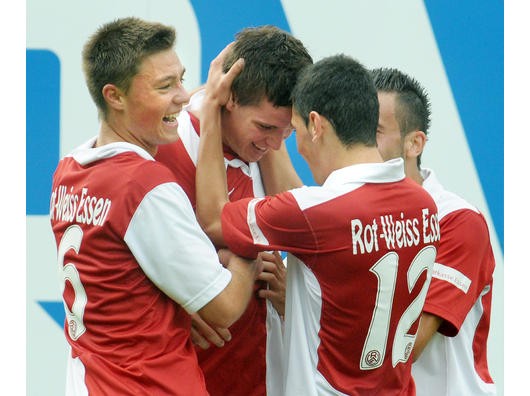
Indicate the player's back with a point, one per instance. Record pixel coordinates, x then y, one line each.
358 288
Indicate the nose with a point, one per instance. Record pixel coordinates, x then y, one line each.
274 140
181 96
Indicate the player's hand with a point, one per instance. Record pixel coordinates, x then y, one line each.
274 273
219 84
226 255
203 335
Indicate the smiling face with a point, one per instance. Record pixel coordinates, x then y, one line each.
153 101
252 130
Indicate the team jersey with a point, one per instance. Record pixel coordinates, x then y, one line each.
454 361
250 363
361 249
133 263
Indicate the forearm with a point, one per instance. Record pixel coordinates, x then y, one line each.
277 171
429 325
230 304
211 190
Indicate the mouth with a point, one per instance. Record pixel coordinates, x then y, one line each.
261 149
170 118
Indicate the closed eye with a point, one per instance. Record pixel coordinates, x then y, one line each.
266 127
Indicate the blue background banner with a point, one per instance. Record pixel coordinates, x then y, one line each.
42 127
471 41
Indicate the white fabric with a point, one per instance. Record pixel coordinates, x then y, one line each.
75 376
446 365
176 249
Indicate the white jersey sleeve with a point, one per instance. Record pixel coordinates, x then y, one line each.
176 255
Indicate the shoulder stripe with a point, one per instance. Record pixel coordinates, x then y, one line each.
257 235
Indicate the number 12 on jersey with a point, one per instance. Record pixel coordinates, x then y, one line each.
386 270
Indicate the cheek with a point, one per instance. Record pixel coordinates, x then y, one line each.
381 142
145 110
301 145
386 147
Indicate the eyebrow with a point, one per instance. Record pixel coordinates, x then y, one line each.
171 77
271 126
265 124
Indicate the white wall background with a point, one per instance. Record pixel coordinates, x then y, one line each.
378 33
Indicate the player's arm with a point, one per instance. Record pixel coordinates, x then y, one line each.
182 262
464 238
229 305
429 325
277 171
211 189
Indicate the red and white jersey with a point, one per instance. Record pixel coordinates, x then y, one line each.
250 364
361 250
455 360
133 263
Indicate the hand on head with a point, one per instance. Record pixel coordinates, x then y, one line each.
219 84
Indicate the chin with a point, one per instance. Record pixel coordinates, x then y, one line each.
254 158
170 138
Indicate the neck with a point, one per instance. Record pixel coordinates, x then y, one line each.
344 157
109 133
357 154
412 171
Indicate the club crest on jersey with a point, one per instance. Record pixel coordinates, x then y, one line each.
373 358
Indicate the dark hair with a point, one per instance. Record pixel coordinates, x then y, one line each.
116 50
273 60
341 89
413 108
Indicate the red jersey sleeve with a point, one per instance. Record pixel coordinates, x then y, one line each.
256 224
461 270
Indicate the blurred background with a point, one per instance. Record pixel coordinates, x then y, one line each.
454 49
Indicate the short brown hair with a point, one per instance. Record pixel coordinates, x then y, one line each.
115 51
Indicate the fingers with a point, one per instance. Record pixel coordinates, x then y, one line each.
273 273
274 258
202 334
267 277
220 58
277 300
225 51
273 267
199 340
234 70
224 333
219 84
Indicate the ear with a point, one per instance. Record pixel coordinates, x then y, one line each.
232 102
315 125
414 144
113 96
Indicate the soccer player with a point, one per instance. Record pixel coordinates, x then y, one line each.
255 121
451 348
362 244
132 258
